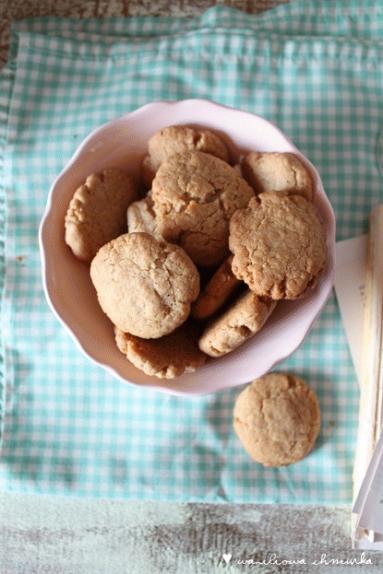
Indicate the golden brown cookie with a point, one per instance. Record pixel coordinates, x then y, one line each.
238 169
241 321
97 211
279 245
144 286
141 217
178 139
271 171
147 172
166 358
218 290
194 196
277 419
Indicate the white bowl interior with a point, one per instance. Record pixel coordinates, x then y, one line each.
123 143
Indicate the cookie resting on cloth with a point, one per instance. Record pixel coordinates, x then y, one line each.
277 419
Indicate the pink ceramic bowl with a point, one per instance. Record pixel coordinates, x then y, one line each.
122 142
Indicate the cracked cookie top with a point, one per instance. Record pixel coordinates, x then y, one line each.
97 211
242 320
279 245
277 419
194 195
167 357
178 139
273 171
144 286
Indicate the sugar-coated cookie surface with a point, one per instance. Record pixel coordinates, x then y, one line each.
218 290
272 171
279 245
242 320
166 358
144 286
194 196
97 211
277 419
178 139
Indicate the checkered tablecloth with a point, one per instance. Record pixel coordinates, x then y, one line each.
316 69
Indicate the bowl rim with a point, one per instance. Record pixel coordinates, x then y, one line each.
71 329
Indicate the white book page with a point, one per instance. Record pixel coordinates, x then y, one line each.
351 257
371 512
365 487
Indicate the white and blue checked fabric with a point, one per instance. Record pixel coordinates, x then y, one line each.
316 70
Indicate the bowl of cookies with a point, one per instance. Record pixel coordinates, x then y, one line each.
188 246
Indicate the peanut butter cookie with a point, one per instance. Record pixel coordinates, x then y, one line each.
166 358
97 212
144 286
240 322
194 196
141 217
277 419
279 245
277 172
217 291
178 139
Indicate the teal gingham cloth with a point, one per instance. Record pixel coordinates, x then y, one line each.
316 70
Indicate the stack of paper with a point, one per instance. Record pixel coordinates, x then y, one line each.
368 506
359 287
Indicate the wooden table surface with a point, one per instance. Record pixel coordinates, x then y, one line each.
45 534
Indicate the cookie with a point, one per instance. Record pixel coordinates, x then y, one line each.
279 245
194 196
238 169
277 419
166 358
141 217
178 139
144 286
270 171
240 322
97 212
147 172
218 290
